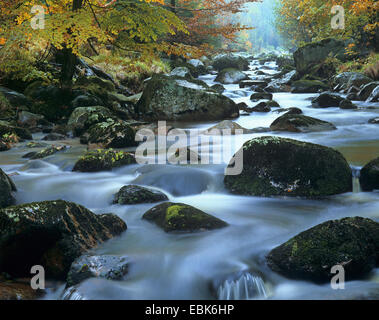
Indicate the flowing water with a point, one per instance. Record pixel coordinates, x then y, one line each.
228 263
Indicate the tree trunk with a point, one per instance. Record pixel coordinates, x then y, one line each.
69 58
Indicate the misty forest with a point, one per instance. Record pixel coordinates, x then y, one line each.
189 149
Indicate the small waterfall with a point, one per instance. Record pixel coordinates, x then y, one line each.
72 294
245 287
356 174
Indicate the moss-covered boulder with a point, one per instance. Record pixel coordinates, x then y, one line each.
6 110
308 86
231 76
52 234
182 217
83 118
7 187
369 176
261 107
4 145
104 266
261 95
274 166
46 152
15 99
350 242
316 52
8 128
175 98
133 194
292 110
112 134
103 160
96 87
224 61
300 123
327 100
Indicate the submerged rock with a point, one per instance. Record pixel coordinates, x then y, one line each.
347 104
261 95
226 125
182 217
44 152
173 98
261 107
54 137
293 110
104 266
327 100
7 187
374 121
103 160
350 242
369 176
231 76
308 86
52 234
112 134
133 194
274 166
300 123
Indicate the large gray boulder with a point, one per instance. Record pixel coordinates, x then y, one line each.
313 53
274 166
224 61
369 176
231 76
175 98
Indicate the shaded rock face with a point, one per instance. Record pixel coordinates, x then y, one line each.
366 90
219 88
374 121
326 100
8 128
293 110
347 104
261 107
299 123
308 86
103 160
181 217
105 266
136 194
52 234
374 96
15 99
7 187
112 134
198 65
275 166
369 177
224 61
231 76
350 242
172 98
83 118
314 53
13 290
